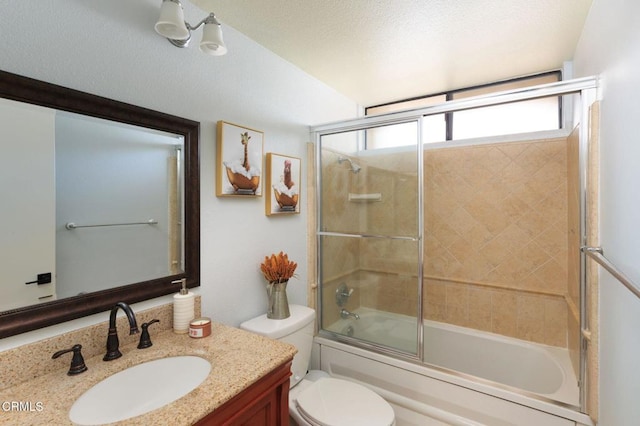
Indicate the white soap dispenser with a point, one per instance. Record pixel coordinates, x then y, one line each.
183 308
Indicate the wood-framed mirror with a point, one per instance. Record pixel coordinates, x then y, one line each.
34 92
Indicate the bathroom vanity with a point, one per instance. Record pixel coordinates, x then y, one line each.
266 402
248 382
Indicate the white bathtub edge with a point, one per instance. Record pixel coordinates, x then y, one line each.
458 380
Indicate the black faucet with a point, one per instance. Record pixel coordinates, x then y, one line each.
113 351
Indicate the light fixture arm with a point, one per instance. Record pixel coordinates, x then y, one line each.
211 19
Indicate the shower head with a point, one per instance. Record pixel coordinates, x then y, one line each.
354 167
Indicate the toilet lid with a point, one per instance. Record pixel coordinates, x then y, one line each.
335 402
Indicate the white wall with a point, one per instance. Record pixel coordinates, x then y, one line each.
109 48
610 47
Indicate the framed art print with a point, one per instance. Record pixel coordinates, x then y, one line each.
239 161
283 184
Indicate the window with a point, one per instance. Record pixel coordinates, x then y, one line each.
518 117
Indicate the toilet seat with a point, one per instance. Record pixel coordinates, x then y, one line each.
336 402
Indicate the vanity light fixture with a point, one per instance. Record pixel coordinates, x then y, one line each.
171 24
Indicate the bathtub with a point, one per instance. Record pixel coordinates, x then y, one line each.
472 377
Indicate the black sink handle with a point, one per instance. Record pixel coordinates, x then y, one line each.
77 362
145 338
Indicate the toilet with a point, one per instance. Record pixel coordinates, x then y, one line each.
315 398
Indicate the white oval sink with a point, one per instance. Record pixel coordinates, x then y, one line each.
139 390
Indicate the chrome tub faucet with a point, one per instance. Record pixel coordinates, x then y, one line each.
344 314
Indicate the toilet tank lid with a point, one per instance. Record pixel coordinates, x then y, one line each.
276 329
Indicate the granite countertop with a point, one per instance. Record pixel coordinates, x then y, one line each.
238 359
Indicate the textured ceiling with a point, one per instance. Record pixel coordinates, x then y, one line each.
376 51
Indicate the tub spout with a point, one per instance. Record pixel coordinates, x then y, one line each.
344 314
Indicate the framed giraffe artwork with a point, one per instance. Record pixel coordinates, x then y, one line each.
239 161
283 183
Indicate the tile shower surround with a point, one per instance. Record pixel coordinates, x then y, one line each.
496 237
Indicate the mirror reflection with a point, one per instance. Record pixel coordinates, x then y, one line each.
92 227
95 204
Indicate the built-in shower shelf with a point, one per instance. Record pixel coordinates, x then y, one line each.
365 198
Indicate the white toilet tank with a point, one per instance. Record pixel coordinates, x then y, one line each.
296 330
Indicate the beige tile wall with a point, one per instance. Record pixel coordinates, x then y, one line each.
514 313
496 236
573 255
593 240
497 214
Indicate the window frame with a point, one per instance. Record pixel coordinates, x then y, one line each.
450 94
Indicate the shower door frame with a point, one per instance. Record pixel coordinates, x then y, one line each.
383 120
584 87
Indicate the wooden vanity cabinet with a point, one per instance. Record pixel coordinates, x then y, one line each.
264 403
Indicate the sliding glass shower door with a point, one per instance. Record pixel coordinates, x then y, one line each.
369 225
